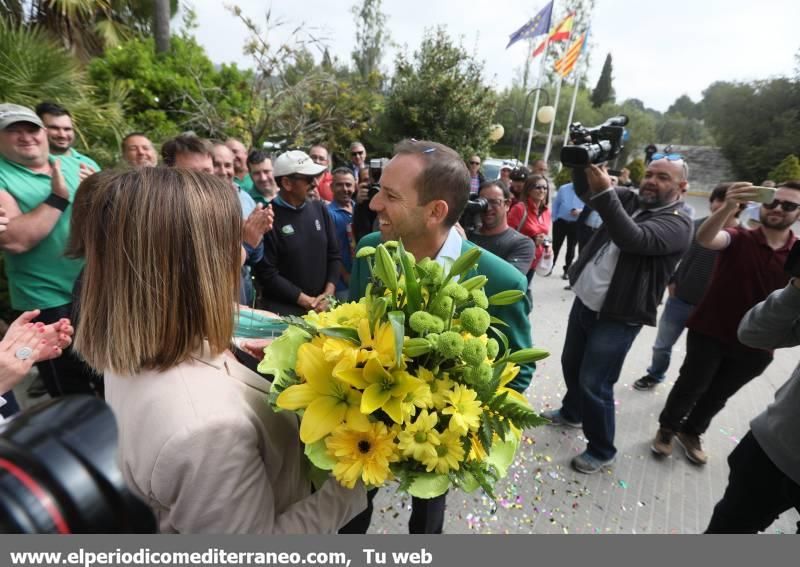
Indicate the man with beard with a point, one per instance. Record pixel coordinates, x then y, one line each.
61 135
618 280
749 267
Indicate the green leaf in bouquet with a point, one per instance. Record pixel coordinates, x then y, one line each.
501 337
345 333
281 354
300 323
468 483
398 321
413 294
283 380
377 309
385 269
496 321
527 355
317 453
502 454
464 263
429 485
507 297
474 283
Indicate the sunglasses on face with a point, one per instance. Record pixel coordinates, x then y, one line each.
668 157
307 178
540 187
357 153
787 206
474 163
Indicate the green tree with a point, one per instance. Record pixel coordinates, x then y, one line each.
604 91
787 169
684 106
181 90
756 124
440 95
35 68
371 38
637 168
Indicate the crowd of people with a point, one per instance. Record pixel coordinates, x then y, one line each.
147 265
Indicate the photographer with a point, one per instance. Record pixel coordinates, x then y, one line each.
495 235
764 478
749 267
618 279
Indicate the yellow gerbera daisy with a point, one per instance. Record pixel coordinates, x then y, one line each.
419 439
464 410
362 454
449 454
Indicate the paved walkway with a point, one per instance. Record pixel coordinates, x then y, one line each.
641 494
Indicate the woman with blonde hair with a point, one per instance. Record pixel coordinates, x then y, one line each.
531 216
197 439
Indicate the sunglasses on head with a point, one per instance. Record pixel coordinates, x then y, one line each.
787 206
668 157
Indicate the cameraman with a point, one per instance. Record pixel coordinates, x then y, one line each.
495 235
618 280
764 478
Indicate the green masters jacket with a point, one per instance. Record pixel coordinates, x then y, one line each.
502 276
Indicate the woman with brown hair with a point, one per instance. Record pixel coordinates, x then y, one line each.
531 216
197 439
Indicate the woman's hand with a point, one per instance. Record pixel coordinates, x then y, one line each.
57 336
27 343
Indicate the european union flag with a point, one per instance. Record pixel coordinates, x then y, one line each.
538 25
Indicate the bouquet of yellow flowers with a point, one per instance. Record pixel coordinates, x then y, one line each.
406 384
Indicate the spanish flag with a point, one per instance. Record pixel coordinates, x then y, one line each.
566 64
559 33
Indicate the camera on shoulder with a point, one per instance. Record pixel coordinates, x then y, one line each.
594 145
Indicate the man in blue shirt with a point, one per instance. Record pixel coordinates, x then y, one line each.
566 209
343 188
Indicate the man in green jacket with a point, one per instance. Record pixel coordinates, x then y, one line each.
423 191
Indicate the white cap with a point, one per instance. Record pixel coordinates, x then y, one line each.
295 162
13 113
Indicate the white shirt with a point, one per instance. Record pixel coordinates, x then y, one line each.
450 250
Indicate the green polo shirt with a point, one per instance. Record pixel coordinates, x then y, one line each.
42 277
245 183
84 159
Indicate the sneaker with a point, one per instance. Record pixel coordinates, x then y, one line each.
568 288
694 450
586 464
646 382
556 418
662 444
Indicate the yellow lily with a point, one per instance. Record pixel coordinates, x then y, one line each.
509 373
380 347
382 389
328 401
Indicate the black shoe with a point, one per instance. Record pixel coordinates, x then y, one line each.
564 276
646 382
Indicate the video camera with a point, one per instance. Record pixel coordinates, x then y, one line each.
594 145
58 472
792 264
470 219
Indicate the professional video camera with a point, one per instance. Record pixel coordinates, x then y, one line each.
594 145
470 219
58 472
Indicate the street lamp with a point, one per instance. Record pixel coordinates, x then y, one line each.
517 127
546 114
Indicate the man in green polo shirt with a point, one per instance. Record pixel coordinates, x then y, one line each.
36 191
241 176
61 135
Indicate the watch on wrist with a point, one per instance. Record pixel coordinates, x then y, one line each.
57 202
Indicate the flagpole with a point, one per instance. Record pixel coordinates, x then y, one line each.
553 123
572 106
536 100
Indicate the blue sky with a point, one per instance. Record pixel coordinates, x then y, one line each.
660 50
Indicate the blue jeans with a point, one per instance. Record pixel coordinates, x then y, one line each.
670 326
594 351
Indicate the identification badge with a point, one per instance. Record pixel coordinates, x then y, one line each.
287 229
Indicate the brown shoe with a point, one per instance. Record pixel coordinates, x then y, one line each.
694 450
662 444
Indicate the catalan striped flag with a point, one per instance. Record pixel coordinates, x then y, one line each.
566 64
559 33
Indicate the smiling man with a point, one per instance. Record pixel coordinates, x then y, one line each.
749 267
301 254
618 280
423 191
61 133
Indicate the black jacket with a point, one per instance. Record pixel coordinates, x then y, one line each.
650 247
